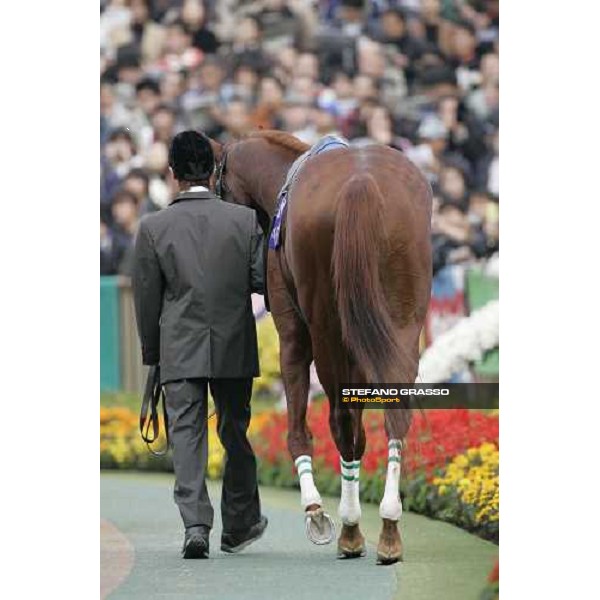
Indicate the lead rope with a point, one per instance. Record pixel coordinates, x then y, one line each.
153 394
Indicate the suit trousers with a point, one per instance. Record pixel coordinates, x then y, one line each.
187 410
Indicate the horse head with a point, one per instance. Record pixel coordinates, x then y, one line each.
250 171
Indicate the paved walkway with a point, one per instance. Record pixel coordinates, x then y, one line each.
141 539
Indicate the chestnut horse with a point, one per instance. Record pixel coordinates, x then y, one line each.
348 288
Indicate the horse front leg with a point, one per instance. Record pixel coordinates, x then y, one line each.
295 359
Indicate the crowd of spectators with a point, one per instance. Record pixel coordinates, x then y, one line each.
418 75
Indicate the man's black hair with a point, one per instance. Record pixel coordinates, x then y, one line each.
353 3
121 132
179 23
464 24
458 162
396 11
122 195
191 157
148 84
128 56
163 107
437 75
138 173
447 204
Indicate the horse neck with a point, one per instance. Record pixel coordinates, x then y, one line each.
265 180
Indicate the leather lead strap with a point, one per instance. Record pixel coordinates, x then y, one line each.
153 394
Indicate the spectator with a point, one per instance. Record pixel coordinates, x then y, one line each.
247 44
121 152
278 22
157 164
269 104
193 15
163 123
432 136
410 49
450 236
418 75
236 118
307 65
137 183
125 212
109 259
452 183
147 35
380 128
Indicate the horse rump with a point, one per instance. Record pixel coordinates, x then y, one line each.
368 330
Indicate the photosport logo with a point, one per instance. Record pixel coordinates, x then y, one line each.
419 395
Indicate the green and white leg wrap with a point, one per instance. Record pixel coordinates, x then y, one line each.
391 507
308 491
349 508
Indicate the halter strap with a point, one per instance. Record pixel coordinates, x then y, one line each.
219 185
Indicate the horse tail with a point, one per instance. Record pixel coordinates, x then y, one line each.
366 323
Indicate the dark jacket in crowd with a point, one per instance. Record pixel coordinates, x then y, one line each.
196 264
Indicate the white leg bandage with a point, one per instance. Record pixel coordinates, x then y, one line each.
391 507
349 508
308 491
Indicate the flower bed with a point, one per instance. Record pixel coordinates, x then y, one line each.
492 589
450 461
121 446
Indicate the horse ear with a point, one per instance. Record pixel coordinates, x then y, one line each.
217 150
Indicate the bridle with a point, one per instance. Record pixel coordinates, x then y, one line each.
220 187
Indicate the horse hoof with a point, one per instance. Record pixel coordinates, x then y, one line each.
320 528
388 560
389 548
351 543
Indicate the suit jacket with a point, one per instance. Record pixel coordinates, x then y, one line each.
195 265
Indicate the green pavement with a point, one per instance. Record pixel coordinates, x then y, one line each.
441 561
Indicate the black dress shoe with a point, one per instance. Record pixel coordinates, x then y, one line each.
236 542
195 543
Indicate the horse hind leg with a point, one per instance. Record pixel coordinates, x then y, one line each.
351 543
349 436
389 547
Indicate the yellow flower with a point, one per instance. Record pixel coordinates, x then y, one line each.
473 453
461 461
474 475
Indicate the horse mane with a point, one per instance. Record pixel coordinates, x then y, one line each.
282 139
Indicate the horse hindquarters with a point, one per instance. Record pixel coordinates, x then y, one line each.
368 330
382 341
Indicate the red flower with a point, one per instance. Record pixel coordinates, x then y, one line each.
433 439
494 573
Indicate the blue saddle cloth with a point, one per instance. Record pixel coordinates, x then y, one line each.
326 143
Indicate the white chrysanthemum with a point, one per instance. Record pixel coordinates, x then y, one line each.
465 343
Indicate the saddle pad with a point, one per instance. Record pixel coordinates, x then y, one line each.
326 143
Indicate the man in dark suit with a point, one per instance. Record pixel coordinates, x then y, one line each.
196 264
